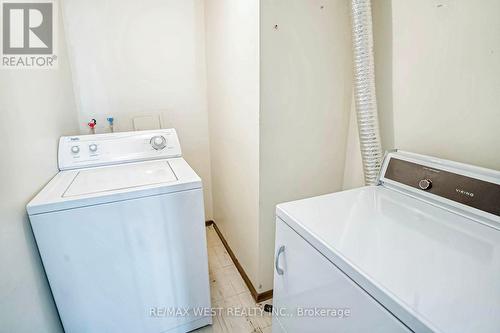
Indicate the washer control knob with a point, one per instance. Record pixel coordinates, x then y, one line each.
158 142
93 147
75 149
425 184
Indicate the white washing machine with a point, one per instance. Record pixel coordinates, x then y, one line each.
121 233
420 252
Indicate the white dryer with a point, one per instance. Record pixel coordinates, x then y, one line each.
420 252
121 233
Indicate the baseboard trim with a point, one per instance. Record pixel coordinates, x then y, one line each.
258 297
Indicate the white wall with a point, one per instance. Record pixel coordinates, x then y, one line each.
445 80
37 107
306 83
232 34
132 58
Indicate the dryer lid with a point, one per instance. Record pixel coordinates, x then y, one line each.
112 178
427 265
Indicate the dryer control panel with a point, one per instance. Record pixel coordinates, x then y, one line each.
85 151
457 185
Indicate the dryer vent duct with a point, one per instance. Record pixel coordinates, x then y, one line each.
364 90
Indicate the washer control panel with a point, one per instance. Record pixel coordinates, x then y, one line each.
104 149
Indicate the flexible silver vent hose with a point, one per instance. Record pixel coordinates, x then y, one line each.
364 90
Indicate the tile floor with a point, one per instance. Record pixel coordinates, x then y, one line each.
228 289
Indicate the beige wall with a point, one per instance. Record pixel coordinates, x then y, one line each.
268 134
147 60
306 82
440 86
232 38
37 107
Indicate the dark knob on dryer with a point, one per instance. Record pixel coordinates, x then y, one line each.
425 184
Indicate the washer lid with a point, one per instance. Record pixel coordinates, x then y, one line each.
99 185
92 181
